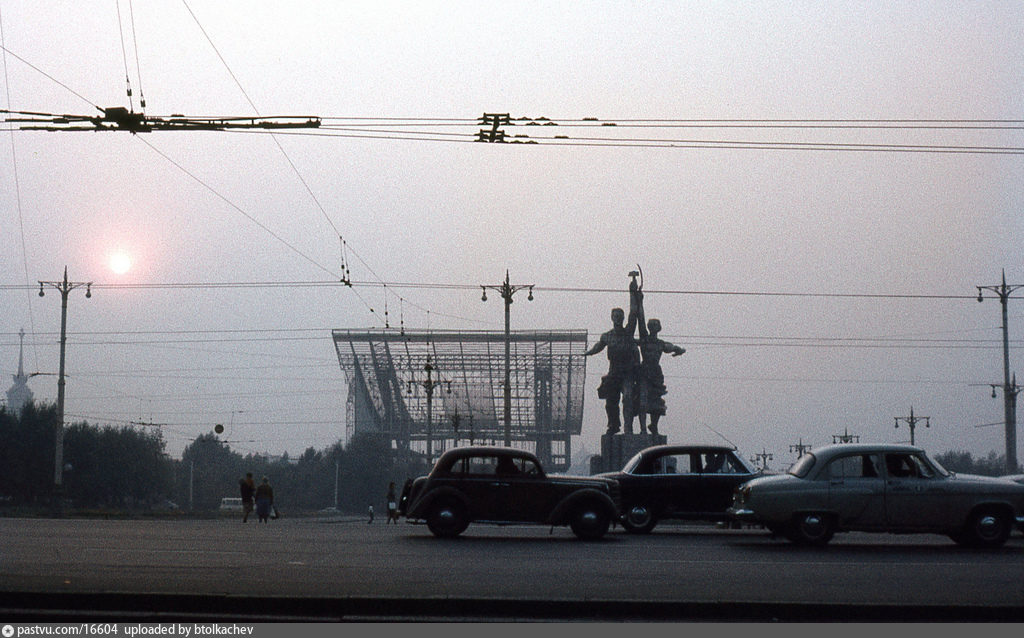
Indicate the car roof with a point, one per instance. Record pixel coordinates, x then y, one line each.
481 450
863 448
661 449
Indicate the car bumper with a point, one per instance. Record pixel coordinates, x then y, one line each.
744 515
1020 523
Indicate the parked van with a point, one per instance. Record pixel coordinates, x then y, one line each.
231 504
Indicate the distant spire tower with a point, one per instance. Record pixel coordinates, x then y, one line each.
19 394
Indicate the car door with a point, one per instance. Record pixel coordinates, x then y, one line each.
856 491
916 497
720 473
673 485
530 495
477 480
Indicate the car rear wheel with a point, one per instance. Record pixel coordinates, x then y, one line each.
811 528
590 520
986 528
447 518
639 519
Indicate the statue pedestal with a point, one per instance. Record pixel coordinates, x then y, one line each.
616 449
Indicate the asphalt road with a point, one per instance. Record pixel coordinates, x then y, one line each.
345 569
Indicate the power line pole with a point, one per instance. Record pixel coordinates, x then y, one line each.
495 121
912 421
64 287
506 290
1009 391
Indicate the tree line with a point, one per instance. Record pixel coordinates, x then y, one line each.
126 468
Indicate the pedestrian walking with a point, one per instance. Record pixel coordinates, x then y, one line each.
247 488
392 505
371 515
264 500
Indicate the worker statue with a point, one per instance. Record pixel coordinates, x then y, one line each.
649 384
623 364
635 379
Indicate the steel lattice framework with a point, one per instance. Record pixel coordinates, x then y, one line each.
390 394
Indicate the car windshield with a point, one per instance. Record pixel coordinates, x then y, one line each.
802 466
632 463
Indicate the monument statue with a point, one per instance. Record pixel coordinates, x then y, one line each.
623 363
635 377
650 384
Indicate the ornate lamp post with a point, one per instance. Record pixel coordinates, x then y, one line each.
507 290
428 385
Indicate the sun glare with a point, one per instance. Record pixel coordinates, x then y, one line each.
120 263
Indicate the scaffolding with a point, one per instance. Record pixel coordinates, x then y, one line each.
389 395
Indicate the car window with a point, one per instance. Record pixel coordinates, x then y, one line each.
803 465
904 465
475 466
507 466
853 466
721 463
528 467
672 464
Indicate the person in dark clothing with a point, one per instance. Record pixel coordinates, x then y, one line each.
264 500
392 505
247 487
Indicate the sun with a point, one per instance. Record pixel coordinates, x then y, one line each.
120 263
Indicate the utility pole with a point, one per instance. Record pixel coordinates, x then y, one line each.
428 385
1009 392
506 290
495 121
64 287
912 421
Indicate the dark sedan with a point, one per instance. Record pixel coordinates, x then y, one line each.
505 486
691 482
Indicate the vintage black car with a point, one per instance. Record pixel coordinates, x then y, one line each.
506 486
690 482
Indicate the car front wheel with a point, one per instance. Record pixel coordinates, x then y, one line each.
447 518
986 528
639 519
590 521
811 528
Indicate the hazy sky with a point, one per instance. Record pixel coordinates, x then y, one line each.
913 229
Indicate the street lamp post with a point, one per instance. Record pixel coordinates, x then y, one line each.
428 385
506 290
1009 391
64 287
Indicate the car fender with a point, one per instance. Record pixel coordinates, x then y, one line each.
560 514
422 505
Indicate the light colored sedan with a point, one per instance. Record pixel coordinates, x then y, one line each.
896 489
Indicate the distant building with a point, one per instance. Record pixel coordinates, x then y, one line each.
388 396
19 394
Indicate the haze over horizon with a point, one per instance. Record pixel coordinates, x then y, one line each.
813 190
